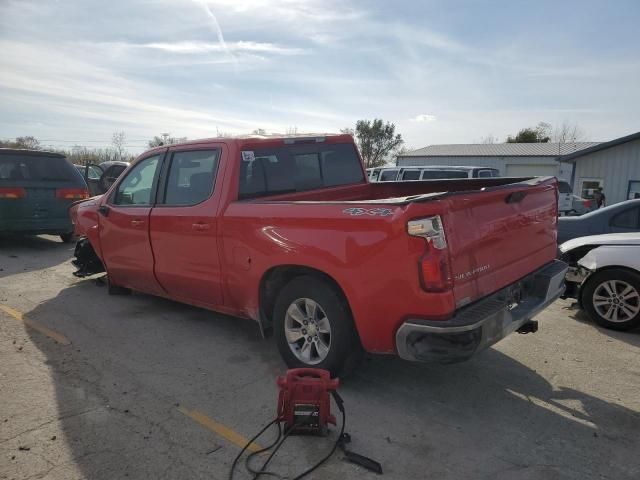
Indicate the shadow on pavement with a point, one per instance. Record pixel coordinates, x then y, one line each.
631 337
26 253
133 359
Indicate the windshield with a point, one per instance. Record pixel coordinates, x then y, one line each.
43 169
297 168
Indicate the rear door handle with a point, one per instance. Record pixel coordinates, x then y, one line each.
200 227
136 222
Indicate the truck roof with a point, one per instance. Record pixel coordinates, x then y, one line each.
267 140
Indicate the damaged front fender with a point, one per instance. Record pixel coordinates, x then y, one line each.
86 261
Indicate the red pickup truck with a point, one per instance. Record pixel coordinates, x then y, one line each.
288 232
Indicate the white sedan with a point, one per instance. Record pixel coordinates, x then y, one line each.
604 276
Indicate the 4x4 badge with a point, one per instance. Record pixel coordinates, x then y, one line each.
356 212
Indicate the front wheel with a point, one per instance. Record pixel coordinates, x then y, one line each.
67 237
313 326
612 299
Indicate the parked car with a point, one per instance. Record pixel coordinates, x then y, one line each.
288 232
618 218
404 174
565 197
604 276
99 177
36 190
580 205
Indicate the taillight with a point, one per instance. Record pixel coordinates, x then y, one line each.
72 193
434 268
12 192
587 203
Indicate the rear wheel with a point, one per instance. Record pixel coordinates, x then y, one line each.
313 326
612 299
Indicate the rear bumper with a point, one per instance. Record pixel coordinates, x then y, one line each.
484 323
55 226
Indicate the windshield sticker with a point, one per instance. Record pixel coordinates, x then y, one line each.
356 212
248 156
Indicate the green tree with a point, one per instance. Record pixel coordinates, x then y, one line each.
376 140
539 134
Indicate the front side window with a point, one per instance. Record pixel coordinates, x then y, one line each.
388 175
297 168
94 172
191 177
137 186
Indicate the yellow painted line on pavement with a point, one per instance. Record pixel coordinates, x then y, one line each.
58 337
216 427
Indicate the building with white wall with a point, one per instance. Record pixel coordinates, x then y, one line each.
511 159
613 166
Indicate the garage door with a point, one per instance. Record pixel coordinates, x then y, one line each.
520 170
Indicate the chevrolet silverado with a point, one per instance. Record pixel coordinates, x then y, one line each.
288 232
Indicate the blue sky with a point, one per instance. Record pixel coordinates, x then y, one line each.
443 72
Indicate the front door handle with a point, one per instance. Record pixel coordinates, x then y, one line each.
136 222
200 227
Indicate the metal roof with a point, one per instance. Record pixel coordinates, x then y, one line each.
571 157
500 150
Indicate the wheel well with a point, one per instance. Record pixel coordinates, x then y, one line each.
276 278
600 270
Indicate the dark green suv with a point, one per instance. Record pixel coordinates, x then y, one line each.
36 190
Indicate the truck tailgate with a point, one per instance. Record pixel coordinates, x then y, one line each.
499 235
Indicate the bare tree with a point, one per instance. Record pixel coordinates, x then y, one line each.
259 131
118 140
489 139
568 133
292 130
165 139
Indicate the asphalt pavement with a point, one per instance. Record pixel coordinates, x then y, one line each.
94 386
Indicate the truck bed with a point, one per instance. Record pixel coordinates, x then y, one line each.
397 192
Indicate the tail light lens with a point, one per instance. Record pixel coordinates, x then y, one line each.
587 204
12 192
434 266
72 193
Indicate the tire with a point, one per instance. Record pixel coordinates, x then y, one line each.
612 299
331 351
67 237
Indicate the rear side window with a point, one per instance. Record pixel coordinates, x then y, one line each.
411 175
435 174
191 177
564 187
39 169
297 168
626 219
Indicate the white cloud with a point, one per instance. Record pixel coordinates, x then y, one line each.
424 117
188 47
